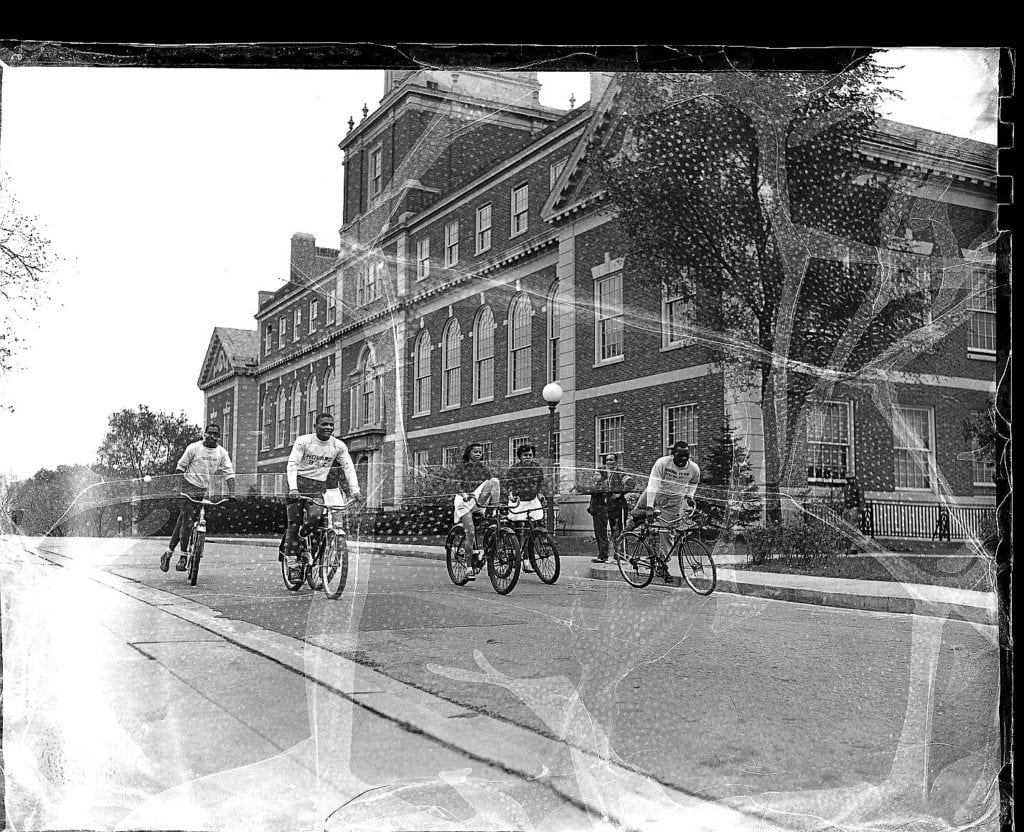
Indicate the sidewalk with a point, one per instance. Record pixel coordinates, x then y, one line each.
873 596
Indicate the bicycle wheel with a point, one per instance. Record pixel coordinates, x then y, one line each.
314 569
504 561
198 540
635 560
334 565
544 556
456 557
289 581
697 566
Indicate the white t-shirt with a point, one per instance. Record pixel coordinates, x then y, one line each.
669 483
312 459
199 463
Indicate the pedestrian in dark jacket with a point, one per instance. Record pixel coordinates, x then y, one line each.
853 507
525 481
608 504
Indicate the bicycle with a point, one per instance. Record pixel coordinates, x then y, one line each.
501 550
539 546
637 556
325 552
197 536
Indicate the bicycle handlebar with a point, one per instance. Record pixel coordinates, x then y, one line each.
207 502
323 503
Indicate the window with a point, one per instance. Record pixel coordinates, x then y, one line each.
609 435
376 172
314 313
982 303
266 422
483 228
365 393
423 258
514 444
296 323
554 323
608 310
556 171
282 418
486 446
268 339
282 332
556 452
828 441
420 461
982 461
226 432
450 455
451 244
483 355
370 283
914 282
519 340
451 365
520 209
332 305
293 431
311 408
912 453
330 400
676 313
421 375
680 424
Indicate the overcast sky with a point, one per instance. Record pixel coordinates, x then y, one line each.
171 195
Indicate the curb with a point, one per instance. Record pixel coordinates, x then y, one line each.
728 583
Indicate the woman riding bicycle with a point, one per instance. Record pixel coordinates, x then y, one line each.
475 487
525 480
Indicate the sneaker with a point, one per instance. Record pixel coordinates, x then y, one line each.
297 570
526 565
599 560
165 560
478 559
182 564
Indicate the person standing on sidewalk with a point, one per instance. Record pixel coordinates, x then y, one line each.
853 507
608 505
197 465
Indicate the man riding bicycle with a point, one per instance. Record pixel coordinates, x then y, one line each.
671 489
309 463
525 480
200 461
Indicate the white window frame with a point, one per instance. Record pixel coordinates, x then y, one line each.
421 374
982 303
420 463
282 332
227 434
450 455
281 412
553 324
295 420
314 311
478 360
483 232
520 353
451 244
986 469
375 171
451 374
423 258
311 408
555 171
929 452
669 297
514 444
268 344
600 320
694 420
331 313
266 422
599 449
486 448
330 400
823 413
519 209
296 323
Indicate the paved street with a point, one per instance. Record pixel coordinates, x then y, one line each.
133 700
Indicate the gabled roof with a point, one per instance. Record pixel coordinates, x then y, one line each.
230 352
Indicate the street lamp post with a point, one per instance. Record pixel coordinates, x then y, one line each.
552 394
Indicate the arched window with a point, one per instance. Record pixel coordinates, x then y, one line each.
421 375
451 364
483 355
554 318
267 421
293 428
311 406
330 399
519 344
365 393
282 417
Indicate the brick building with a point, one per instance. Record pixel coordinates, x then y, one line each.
479 261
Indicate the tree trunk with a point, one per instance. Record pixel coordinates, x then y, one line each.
772 447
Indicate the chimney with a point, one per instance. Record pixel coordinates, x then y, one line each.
303 266
599 82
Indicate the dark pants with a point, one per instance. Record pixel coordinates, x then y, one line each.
607 517
307 488
183 528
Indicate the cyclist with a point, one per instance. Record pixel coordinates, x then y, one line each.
309 464
476 487
200 461
671 488
525 481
